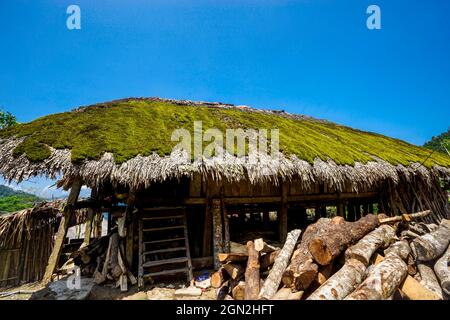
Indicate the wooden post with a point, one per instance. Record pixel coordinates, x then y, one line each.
88 228
226 226
129 220
90 219
282 219
216 210
207 234
62 230
340 209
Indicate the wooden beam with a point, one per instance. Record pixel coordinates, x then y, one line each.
291 198
62 230
282 219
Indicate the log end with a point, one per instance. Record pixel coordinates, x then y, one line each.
320 252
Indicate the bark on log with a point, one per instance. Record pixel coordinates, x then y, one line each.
235 271
329 245
252 280
342 283
365 247
411 287
406 217
302 270
287 294
219 277
442 270
267 260
273 281
432 245
116 270
383 279
429 279
399 248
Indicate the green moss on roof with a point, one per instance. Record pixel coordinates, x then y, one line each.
128 128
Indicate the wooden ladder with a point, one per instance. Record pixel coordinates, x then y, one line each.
163 243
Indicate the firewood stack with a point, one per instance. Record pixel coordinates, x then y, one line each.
104 260
374 258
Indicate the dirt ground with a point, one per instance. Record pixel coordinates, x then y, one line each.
161 291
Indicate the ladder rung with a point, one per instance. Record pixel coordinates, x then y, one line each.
162 262
161 273
164 240
163 217
162 228
165 250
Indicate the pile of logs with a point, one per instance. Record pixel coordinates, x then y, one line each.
376 257
104 260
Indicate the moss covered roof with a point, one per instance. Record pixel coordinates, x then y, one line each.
132 127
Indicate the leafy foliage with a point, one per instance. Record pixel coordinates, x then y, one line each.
12 200
7 119
440 143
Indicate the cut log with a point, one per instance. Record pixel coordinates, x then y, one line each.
232 257
252 280
406 217
273 281
342 283
262 246
411 287
219 277
324 273
337 238
238 248
442 270
416 291
235 271
399 248
366 247
287 294
268 259
223 291
302 270
238 292
116 270
432 245
429 279
383 279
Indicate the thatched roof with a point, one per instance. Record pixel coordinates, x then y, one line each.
14 224
129 142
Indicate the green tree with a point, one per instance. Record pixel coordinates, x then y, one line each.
7 119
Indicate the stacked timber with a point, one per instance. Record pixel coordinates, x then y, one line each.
374 258
104 260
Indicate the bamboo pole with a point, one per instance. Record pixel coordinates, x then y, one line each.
62 230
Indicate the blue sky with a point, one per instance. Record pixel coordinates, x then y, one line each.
309 57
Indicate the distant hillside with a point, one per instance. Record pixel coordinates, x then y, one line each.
12 200
436 142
